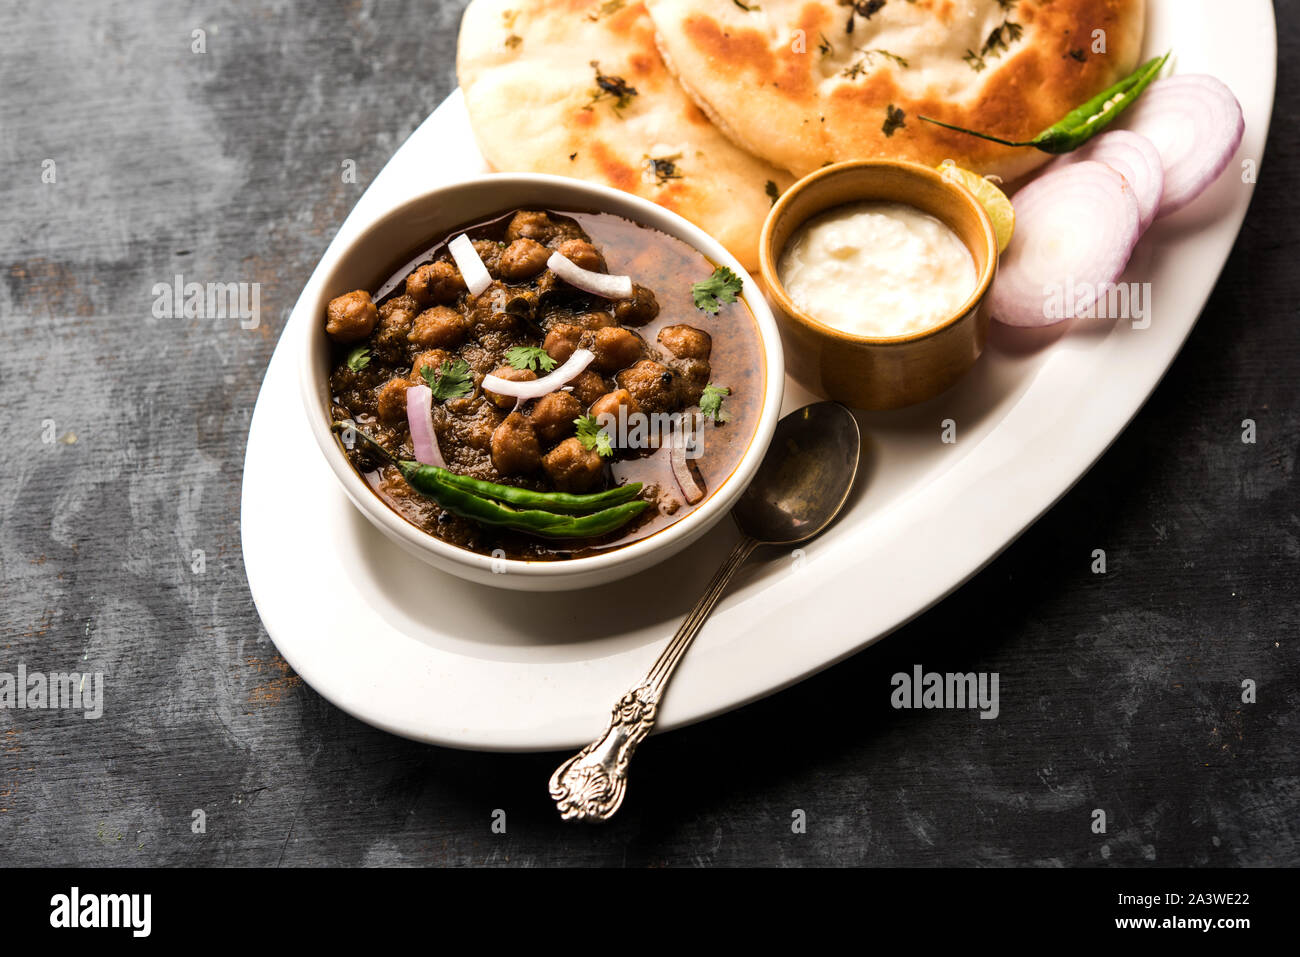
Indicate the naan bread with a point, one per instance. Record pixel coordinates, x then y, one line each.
790 81
526 69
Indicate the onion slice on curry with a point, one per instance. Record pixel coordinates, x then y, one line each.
470 264
419 417
677 459
596 283
536 388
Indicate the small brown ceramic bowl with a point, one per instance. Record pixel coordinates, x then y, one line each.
866 371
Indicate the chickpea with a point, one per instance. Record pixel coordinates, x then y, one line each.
510 374
390 341
583 254
615 348
523 259
530 224
490 253
686 342
351 317
561 341
640 309
553 415
439 327
593 320
652 384
431 360
398 311
692 377
391 401
610 402
573 468
438 283
589 387
515 450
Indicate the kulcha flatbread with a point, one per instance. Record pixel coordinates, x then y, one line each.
803 83
537 103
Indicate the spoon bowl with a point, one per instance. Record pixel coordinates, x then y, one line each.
805 477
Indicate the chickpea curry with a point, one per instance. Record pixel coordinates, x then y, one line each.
543 386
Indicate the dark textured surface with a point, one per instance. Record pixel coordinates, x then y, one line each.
225 166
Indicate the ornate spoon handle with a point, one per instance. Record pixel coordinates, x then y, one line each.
591 784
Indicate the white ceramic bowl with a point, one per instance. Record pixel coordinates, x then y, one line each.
378 249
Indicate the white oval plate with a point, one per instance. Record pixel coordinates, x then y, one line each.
427 656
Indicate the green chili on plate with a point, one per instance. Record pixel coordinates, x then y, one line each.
547 514
1084 122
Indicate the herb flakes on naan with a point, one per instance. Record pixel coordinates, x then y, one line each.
803 83
578 88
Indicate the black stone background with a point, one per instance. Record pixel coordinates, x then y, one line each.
1120 692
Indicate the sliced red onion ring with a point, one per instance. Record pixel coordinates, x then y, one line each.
596 283
470 264
536 388
1135 158
419 416
1075 229
1195 123
691 489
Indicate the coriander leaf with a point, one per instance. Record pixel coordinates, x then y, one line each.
358 358
452 380
530 357
592 436
711 402
711 293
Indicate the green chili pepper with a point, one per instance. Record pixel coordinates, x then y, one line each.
1084 122
524 498
427 481
545 513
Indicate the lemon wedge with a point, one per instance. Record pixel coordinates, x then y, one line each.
994 201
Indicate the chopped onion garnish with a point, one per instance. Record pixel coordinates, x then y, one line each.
536 388
681 468
1075 229
470 264
419 416
596 283
1135 158
1196 125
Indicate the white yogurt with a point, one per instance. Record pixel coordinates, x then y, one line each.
877 269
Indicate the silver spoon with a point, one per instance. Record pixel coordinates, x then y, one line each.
800 487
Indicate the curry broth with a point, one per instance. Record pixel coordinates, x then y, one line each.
668 267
